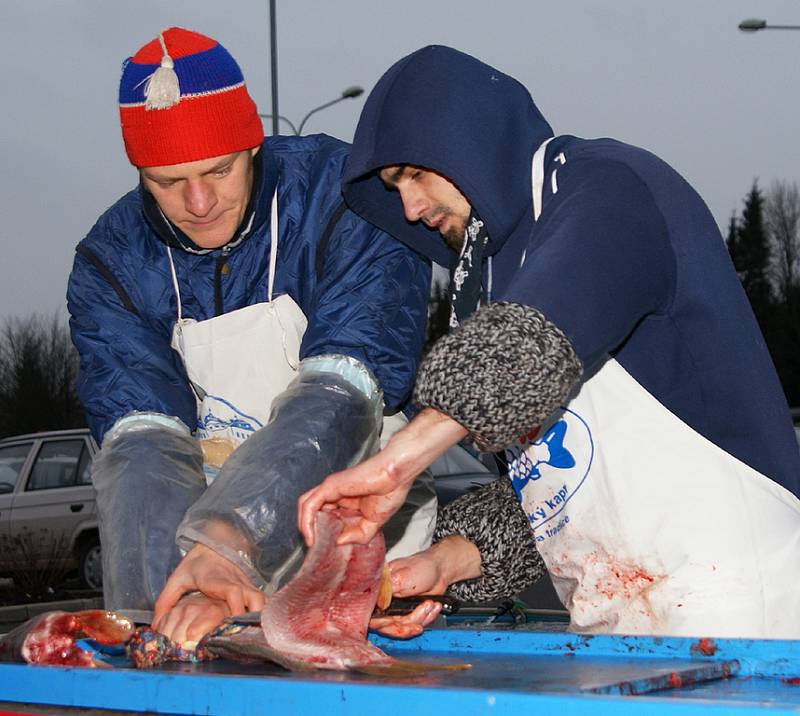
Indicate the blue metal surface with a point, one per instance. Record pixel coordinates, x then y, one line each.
513 672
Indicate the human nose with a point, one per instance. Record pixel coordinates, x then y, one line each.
414 204
199 198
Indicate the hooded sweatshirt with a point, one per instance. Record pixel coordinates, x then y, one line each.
626 261
617 362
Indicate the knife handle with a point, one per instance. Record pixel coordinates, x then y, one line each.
406 605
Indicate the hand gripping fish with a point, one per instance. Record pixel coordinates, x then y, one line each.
319 620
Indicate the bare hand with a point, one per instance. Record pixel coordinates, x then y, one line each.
432 571
421 573
378 486
428 572
194 616
370 488
407 625
203 570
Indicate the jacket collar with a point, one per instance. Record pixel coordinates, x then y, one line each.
255 215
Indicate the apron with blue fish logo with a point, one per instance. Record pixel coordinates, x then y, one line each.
239 362
646 526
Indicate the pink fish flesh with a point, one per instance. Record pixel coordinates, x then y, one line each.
319 619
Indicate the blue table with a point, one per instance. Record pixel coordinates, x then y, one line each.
514 672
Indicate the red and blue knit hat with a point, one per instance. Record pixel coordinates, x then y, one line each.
182 98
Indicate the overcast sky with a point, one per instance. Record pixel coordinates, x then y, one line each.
675 77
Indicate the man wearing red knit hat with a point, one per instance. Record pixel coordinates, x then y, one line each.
230 309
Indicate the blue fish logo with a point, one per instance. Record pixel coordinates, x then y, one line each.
548 450
225 417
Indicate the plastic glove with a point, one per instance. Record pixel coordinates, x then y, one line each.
147 474
320 424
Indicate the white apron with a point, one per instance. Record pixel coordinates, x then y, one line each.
240 361
646 526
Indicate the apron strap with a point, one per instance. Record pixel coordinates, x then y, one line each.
537 178
175 283
273 257
273 247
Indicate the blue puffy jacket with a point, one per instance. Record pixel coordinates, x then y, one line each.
364 294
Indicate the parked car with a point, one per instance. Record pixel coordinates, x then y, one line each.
46 491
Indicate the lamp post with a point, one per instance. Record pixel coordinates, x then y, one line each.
273 64
349 93
756 24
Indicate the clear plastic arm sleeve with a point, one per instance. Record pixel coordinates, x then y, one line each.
148 472
327 419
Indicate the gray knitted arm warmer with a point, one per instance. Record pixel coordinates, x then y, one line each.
492 519
499 374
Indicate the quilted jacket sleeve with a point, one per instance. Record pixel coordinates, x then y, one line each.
126 363
371 303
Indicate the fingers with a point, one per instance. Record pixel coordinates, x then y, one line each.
192 618
407 625
394 629
173 590
172 625
243 599
360 532
206 571
253 601
233 596
308 505
202 621
239 595
343 489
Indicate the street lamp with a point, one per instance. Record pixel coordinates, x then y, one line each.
349 93
755 24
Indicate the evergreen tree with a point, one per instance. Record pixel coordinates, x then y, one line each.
731 239
749 249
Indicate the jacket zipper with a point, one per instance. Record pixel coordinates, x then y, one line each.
220 269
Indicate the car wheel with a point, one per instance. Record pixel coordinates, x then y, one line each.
90 564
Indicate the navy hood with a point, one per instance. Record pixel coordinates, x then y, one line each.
444 110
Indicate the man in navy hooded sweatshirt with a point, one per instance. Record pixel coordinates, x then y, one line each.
601 340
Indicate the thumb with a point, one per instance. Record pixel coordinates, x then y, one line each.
360 533
403 582
168 598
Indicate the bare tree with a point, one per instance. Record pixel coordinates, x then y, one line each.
38 370
782 222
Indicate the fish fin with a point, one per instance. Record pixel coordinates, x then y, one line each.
248 646
385 589
401 668
104 627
